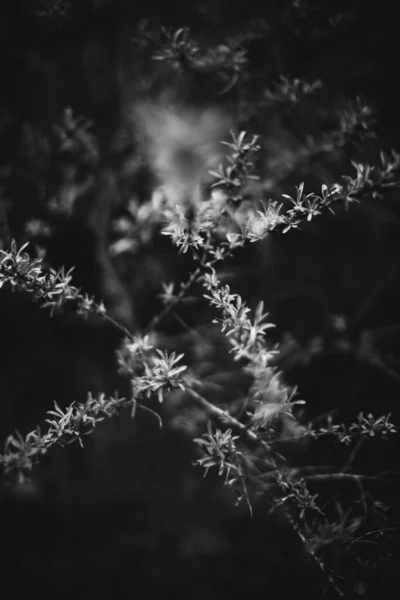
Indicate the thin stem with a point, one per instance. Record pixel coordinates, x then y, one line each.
227 419
352 456
121 328
317 562
194 276
156 320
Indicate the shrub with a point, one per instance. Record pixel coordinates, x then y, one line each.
316 470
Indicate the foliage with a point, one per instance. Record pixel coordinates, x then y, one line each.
261 452
152 371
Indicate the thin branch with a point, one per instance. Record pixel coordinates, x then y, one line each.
356 477
117 325
378 363
316 561
227 419
352 456
318 473
156 320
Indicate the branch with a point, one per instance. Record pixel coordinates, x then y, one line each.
227 419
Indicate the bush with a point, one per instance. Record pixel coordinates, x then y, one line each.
196 314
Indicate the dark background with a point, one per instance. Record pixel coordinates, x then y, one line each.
129 514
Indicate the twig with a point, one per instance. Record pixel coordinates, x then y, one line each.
317 562
352 456
227 419
117 325
378 363
156 320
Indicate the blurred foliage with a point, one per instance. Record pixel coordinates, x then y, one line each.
315 82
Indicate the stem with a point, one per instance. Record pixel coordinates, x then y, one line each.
156 320
319 565
117 325
227 419
353 455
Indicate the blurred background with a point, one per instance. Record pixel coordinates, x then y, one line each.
91 113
